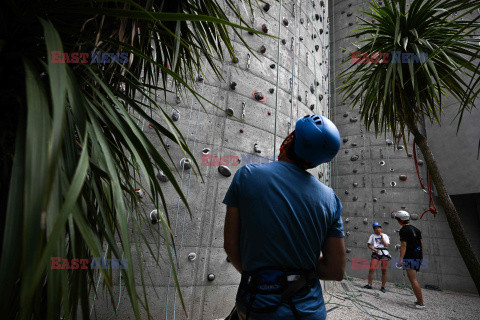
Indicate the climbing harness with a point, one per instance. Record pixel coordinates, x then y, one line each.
279 281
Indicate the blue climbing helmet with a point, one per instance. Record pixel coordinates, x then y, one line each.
317 139
376 224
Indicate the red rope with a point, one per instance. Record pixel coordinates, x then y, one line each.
432 208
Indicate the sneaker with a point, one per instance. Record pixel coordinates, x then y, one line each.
383 289
367 286
419 306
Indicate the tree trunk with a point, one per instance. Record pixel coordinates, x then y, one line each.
461 240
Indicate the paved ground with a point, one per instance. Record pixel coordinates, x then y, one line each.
347 300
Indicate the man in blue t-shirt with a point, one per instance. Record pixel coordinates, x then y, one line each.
279 218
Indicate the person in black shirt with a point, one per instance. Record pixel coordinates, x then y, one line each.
411 253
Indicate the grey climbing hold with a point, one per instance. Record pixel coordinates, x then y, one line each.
354 144
161 176
272 66
177 99
420 162
266 7
414 216
353 119
375 199
206 150
224 171
350 24
256 148
354 158
345 140
175 115
393 183
383 191
229 111
185 164
192 256
355 198
348 250
349 14
397 247
355 184
389 142
271 90
400 147
392 170
345 115
347 192
365 221
382 163
347 151
154 216
211 277
233 85
355 170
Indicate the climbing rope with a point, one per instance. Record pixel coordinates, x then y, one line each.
432 208
292 79
276 85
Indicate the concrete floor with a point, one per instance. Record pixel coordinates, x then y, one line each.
347 300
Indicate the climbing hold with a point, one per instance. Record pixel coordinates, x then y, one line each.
229 111
365 221
266 7
420 162
199 78
375 199
348 250
322 4
403 177
154 216
206 151
409 155
355 184
312 106
299 98
161 176
392 170
233 85
300 38
312 88
355 170
256 148
389 142
211 277
241 130
350 24
317 47
393 183
356 228
175 115
224 171
272 66
355 198
354 158
250 33
185 164
343 11
301 20
271 90
347 192
382 163
177 99
139 193
320 175
320 97
317 16
192 256
414 216
347 151
228 259
397 247
347 233
321 32
285 22
235 60
317 83
399 147
349 14
264 28
269 113
345 115
263 49
345 140
284 41
383 191
259 96
354 144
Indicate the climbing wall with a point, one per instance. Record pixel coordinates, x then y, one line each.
261 95
375 176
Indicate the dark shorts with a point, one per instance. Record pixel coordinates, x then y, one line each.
413 262
380 257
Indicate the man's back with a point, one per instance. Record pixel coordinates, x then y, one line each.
285 215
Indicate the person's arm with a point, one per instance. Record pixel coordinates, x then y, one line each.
331 265
371 248
403 249
421 243
384 241
231 237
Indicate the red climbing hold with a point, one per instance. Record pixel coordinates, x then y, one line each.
403 177
259 96
241 130
150 126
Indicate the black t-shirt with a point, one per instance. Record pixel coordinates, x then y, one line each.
412 237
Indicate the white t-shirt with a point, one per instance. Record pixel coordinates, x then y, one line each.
376 241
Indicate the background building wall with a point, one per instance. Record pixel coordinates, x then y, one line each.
364 185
